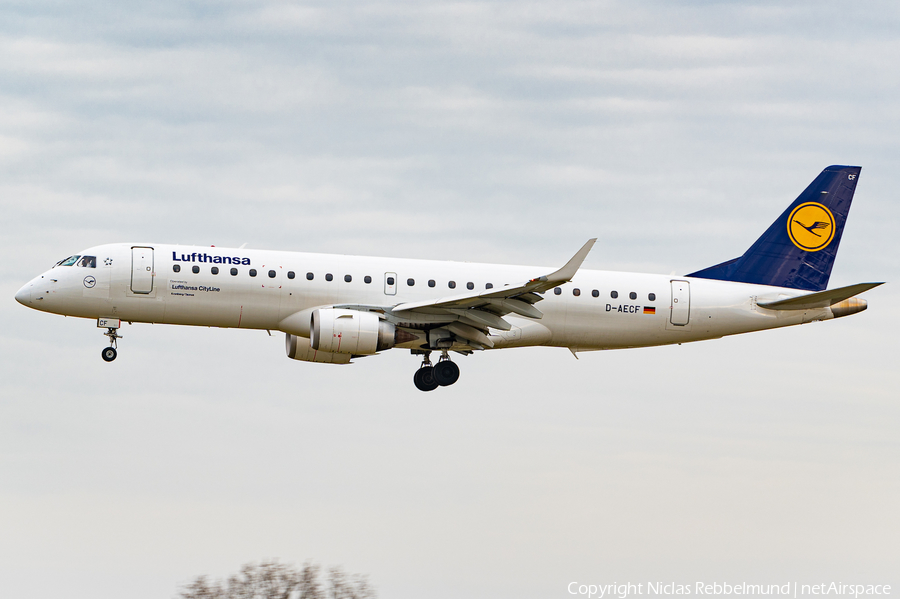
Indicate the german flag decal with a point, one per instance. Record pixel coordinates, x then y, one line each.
649 310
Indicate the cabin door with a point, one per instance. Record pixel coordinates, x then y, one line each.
141 270
681 303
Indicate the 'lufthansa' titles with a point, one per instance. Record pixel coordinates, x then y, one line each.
195 257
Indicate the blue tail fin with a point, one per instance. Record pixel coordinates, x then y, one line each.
798 250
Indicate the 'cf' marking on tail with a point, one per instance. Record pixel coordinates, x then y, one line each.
816 225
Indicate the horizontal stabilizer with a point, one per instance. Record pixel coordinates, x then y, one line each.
820 299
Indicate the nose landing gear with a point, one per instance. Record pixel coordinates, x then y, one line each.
429 377
109 353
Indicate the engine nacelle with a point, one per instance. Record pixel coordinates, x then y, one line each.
341 331
298 348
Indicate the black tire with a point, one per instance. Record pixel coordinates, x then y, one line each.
424 379
446 373
109 354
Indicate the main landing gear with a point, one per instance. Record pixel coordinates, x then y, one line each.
429 377
109 353
424 377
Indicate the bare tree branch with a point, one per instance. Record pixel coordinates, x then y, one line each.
273 580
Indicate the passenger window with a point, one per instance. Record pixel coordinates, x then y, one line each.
488 285
367 279
614 294
470 285
410 282
595 293
431 283
452 284
88 262
329 277
576 292
214 270
176 268
271 274
632 295
652 297
195 269
252 272
557 291
291 274
347 278
310 276
233 272
390 280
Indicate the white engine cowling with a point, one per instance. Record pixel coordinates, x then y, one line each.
341 331
298 348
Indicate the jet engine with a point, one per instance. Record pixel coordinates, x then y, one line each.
298 348
342 331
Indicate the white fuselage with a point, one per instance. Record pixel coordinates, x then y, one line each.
162 287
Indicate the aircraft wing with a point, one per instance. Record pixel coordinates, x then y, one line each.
518 293
468 316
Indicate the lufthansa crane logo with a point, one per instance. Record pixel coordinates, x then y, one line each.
811 226
89 281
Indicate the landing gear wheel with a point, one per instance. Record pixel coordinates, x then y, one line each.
446 373
109 353
424 379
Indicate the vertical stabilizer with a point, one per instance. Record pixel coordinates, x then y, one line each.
799 248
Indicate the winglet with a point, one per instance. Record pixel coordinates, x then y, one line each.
568 271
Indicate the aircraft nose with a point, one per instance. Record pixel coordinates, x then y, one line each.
23 295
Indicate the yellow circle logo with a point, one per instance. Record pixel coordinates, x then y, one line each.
811 226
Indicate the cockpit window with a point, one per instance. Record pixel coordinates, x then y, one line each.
68 261
88 262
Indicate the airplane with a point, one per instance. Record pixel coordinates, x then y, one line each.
334 308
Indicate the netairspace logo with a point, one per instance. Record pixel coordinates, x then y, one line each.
790 589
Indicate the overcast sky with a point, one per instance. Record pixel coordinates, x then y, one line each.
675 132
